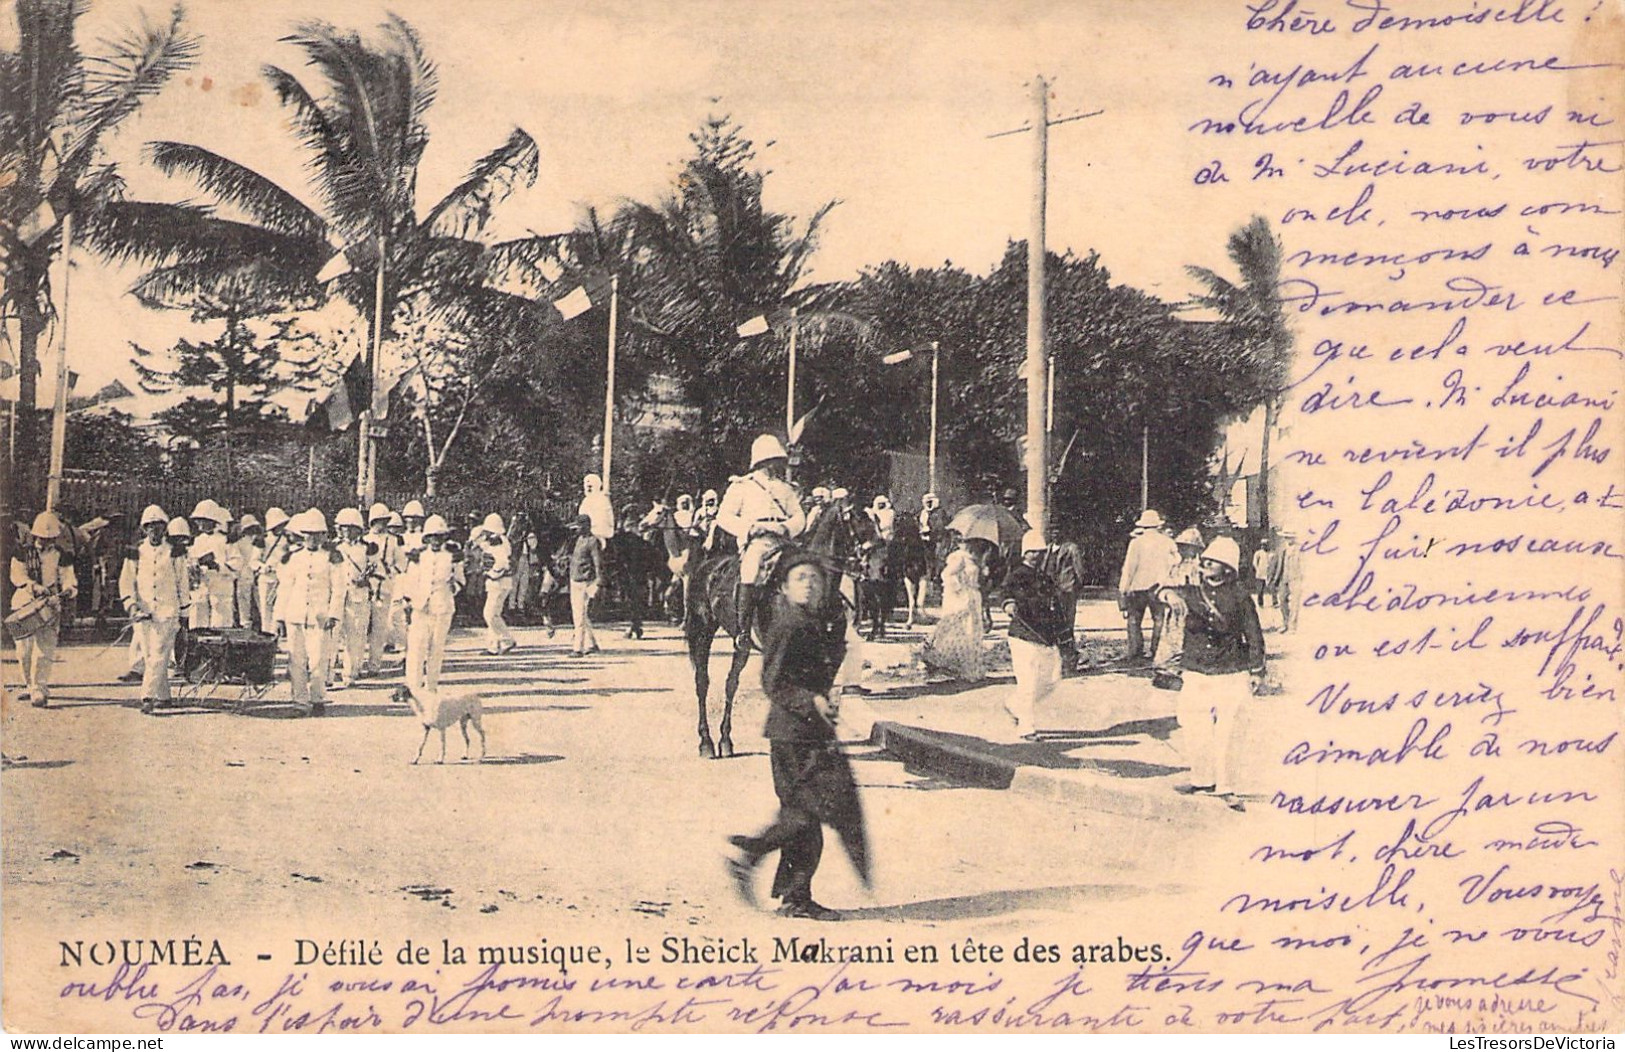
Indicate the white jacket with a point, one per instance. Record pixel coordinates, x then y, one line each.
759 498
432 582
310 588
154 583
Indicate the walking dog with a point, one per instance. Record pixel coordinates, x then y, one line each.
439 712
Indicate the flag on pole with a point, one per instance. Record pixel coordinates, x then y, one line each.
335 267
592 291
348 391
36 223
897 357
574 303
801 425
774 319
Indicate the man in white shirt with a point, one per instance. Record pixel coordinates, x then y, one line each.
247 553
214 599
384 553
432 582
154 594
763 514
42 571
277 544
492 538
356 572
1147 566
310 602
595 504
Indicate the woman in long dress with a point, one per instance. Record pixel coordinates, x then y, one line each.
955 646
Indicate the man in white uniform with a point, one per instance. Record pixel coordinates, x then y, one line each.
356 573
277 544
384 551
42 571
762 513
432 583
596 506
154 595
247 553
310 602
214 599
492 538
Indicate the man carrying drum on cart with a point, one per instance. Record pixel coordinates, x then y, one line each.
155 593
42 578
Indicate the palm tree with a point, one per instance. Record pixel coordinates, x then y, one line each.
1252 311
696 264
365 136
60 106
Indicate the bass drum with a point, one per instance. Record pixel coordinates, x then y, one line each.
39 614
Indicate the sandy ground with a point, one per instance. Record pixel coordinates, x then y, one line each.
592 815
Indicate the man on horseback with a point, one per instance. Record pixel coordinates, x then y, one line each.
760 509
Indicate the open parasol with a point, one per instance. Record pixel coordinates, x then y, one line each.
987 522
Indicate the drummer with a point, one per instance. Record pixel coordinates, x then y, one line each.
42 574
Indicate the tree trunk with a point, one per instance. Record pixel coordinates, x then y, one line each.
1270 410
428 479
31 326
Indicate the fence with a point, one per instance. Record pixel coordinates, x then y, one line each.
86 496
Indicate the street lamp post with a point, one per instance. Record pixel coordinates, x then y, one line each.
931 450
59 414
609 382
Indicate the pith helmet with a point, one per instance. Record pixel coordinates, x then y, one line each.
766 448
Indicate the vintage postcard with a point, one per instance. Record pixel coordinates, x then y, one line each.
767 517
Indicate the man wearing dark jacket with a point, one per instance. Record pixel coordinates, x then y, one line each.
813 780
1037 630
1223 662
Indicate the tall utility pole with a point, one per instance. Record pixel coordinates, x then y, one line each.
609 378
59 415
790 435
931 455
1037 459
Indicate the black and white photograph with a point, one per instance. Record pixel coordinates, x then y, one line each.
725 517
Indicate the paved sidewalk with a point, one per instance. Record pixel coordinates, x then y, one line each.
1107 739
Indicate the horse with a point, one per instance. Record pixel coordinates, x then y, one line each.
913 562
877 592
836 537
630 564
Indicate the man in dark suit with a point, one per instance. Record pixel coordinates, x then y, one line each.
811 777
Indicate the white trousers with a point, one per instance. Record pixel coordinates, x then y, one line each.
380 628
1038 670
1207 711
214 603
268 604
426 650
309 657
156 637
497 594
755 551
353 631
245 601
36 655
583 640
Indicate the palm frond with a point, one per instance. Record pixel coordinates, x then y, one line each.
154 233
235 184
135 68
467 208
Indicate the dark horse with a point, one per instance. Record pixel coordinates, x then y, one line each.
630 563
711 604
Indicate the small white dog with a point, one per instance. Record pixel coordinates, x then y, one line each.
439 712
